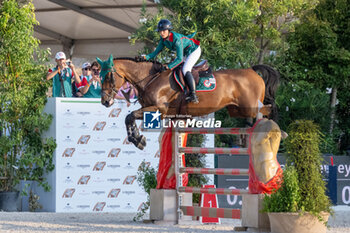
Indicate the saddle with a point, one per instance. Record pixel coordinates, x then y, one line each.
202 69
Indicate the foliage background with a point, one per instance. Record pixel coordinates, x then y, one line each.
24 154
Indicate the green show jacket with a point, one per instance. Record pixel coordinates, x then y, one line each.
183 45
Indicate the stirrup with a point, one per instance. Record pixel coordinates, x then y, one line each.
192 98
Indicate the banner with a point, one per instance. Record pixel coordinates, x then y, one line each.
95 165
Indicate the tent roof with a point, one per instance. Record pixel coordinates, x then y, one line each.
86 28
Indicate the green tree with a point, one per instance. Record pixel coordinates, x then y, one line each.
319 50
232 33
24 154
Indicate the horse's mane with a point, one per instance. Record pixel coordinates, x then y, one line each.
137 60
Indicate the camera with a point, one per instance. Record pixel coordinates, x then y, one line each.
68 63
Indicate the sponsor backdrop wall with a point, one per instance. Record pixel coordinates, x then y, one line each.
95 166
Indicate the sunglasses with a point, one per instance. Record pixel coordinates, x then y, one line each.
87 69
96 70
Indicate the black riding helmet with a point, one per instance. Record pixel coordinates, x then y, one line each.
164 24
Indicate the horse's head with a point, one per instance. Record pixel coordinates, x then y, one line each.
111 84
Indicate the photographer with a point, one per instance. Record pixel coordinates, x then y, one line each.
91 85
62 76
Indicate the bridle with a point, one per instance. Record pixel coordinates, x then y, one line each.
112 89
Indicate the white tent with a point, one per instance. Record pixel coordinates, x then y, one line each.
84 29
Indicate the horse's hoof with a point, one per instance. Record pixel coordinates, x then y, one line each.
143 140
140 146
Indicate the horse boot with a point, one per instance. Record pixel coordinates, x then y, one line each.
192 97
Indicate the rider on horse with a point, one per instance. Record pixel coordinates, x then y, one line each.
186 48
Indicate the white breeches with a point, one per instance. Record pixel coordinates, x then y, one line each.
191 60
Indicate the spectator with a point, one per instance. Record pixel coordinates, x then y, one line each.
91 85
128 90
86 74
62 76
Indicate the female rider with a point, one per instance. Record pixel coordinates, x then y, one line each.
186 48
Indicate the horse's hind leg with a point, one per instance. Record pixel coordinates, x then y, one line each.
131 128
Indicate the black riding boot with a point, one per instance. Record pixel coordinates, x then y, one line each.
192 97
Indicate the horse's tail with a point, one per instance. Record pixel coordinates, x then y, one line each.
271 78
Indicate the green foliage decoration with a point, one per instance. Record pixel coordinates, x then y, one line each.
302 151
147 179
303 189
287 197
24 154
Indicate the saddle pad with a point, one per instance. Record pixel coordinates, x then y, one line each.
204 84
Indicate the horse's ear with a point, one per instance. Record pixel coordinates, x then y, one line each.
110 59
99 61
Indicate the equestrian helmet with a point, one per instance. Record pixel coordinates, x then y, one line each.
164 24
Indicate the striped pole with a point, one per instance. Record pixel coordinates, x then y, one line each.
232 151
219 191
215 171
211 212
215 130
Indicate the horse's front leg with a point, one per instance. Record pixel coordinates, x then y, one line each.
131 128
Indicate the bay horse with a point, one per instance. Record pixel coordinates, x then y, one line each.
242 91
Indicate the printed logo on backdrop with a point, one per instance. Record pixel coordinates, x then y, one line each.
113 166
129 192
113 180
68 207
68 180
83 207
84 193
142 206
84 179
68 112
129 180
68 125
67 139
157 155
99 166
68 152
129 152
151 120
98 152
128 166
83 166
126 141
83 113
98 180
113 126
114 152
113 139
115 112
113 193
84 139
99 206
98 192
99 113
98 140
68 193
99 126
113 206
83 152
67 166
83 126
128 206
